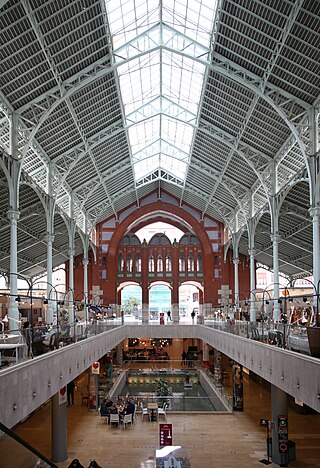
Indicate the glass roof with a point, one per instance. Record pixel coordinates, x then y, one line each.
160 48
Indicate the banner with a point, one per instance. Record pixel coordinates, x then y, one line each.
63 395
95 368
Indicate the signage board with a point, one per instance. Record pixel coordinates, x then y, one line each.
165 433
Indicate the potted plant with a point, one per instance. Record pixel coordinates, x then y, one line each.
163 390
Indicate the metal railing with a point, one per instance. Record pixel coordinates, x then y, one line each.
37 340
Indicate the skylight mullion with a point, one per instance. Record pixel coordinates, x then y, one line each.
161 132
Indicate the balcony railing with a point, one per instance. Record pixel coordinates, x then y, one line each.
19 345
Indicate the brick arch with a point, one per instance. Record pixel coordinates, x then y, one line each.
156 207
160 209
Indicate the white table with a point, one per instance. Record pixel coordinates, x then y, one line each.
299 343
14 346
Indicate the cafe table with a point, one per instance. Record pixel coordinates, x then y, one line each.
153 409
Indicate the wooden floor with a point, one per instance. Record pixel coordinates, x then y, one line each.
212 440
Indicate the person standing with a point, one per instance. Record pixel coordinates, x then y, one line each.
183 358
169 315
193 315
70 392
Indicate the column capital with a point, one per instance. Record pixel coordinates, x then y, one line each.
85 262
314 211
275 237
252 252
13 215
71 252
49 238
236 261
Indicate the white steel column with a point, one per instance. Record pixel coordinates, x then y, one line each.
315 214
13 309
71 287
85 262
236 281
51 292
315 192
276 307
252 285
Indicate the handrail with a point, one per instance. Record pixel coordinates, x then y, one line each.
25 444
66 334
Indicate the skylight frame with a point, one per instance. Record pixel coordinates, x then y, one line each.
157 46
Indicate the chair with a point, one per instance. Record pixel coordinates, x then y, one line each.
144 412
134 414
162 411
114 418
127 419
52 343
84 399
103 418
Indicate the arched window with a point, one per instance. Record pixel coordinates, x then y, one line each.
120 263
159 262
168 262
138 263
182 262
199 261
151 263
129 263
190 262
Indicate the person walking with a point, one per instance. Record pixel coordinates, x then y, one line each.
169 315
70 392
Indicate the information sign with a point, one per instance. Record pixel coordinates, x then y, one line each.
165 432
283 433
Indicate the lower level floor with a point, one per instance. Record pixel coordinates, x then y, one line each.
211 440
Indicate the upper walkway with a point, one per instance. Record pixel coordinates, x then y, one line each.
28 384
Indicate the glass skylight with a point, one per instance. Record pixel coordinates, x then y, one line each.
161 49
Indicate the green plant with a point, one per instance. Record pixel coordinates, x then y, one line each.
163 390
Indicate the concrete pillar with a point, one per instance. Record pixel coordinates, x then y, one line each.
175 312
217 367
120 353
205 352
237 383
279 409
58 429
145 313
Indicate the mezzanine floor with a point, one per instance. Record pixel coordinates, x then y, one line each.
212 440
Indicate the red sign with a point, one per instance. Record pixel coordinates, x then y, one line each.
165 434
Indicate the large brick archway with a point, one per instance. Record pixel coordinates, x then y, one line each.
147 214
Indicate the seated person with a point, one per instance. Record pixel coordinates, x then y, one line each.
105 407
120 400
113 409
128 409
108 402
